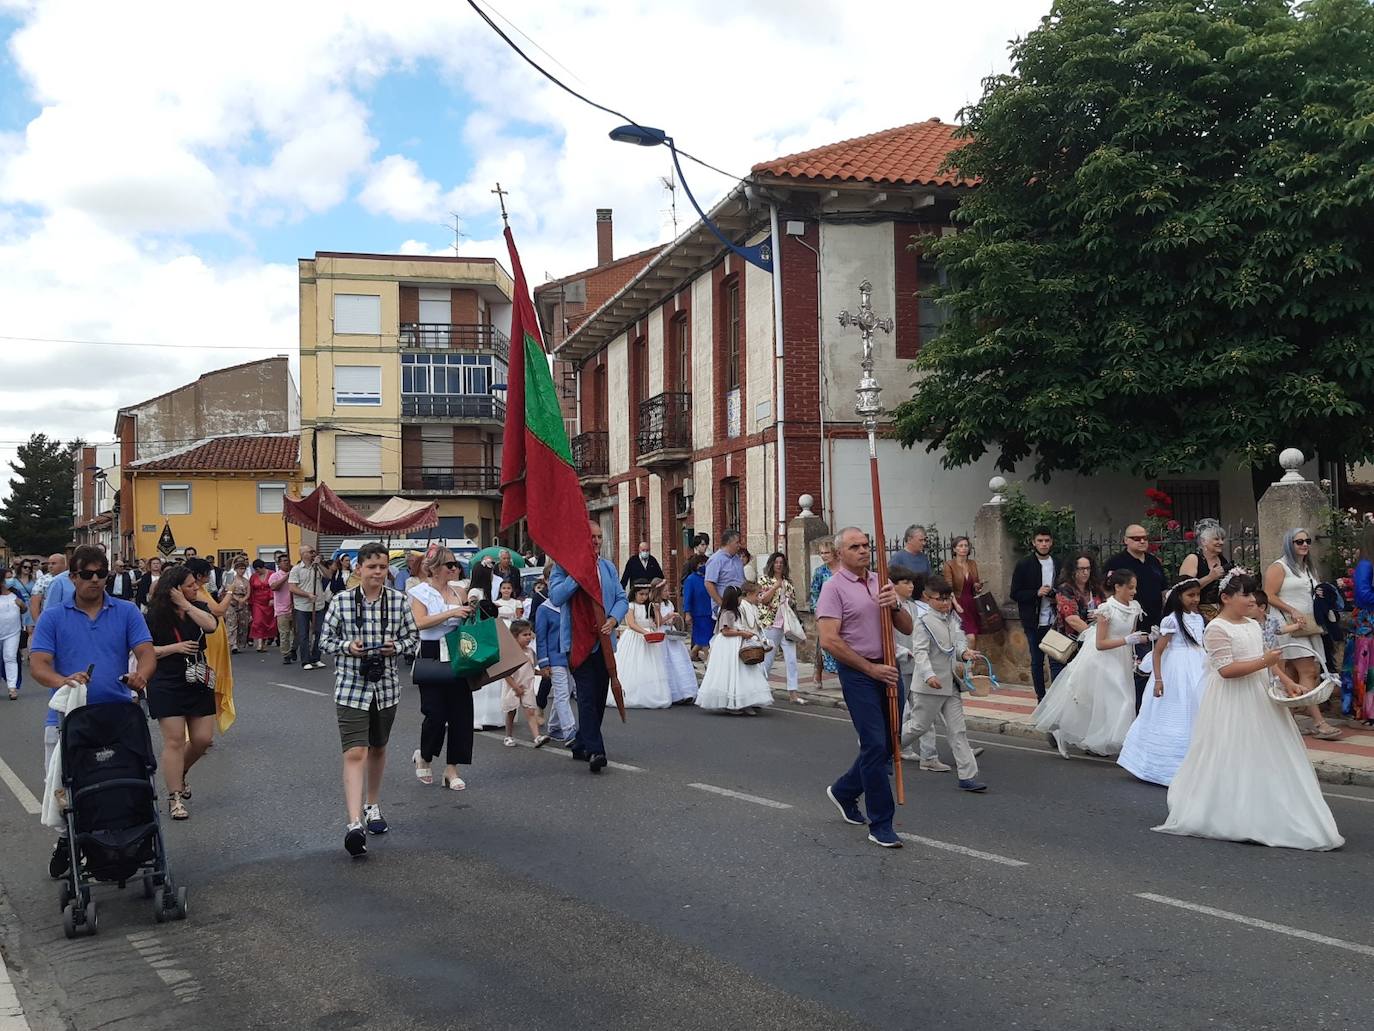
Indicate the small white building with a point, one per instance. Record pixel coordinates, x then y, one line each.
698 415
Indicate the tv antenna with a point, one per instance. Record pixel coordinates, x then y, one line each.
454 228
669 182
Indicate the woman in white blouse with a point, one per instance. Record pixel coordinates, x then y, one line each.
438 603
1291 583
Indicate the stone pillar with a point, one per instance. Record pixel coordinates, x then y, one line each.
804 533
996 554
1291 502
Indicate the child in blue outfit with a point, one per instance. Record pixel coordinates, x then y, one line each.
696 605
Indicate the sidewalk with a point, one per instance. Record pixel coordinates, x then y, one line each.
1007 711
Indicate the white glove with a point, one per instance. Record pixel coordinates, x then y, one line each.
1137 637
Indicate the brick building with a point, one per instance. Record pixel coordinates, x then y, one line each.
713 393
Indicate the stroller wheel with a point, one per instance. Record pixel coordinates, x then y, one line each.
64 894
159 909
69 920
92 920
183 906
148 886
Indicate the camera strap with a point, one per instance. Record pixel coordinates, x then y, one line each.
360 613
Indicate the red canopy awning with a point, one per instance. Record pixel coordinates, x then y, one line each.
325 512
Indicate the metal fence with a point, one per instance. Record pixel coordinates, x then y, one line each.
938 546
1242 546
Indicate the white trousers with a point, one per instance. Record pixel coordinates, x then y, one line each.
10 648
562 724
789 652
921 715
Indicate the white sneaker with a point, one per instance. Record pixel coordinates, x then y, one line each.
935 766
509 742
911 755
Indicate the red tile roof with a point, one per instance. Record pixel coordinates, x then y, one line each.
909 155
243 453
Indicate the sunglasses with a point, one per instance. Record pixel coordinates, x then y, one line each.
93 574
1301 540
1138 538
452 565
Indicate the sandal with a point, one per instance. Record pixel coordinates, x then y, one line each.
14 695
424 774
176 808
509 742
1326 732
454 783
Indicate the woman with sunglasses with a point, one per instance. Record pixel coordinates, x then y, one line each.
21 583
1291 582
437 604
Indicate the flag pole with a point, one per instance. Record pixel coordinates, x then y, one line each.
868 407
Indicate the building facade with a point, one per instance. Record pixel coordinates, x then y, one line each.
222 496
95 489
253 398
403 372
713 393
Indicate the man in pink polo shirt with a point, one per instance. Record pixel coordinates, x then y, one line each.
848 616
280 582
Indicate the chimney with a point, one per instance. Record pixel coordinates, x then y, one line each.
604 250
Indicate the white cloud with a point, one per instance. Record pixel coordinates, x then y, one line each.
398 188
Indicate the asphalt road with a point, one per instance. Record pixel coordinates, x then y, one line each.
544 897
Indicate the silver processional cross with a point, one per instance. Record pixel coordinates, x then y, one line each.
867 406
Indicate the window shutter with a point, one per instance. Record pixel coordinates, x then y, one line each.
358 384
358 313
436 446
356 455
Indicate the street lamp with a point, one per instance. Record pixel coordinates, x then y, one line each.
760 255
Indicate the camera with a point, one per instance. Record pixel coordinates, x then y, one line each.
372 665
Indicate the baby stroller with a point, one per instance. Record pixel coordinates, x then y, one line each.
110 805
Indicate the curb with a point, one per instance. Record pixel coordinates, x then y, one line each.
1327 772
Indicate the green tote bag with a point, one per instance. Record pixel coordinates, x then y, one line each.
473 646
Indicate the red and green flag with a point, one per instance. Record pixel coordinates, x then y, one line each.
538 480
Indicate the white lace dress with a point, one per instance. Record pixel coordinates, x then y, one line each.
1158 739
729 684
682 675
1092 703
642 665
1247 776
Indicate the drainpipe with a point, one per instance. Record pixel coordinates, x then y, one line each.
780 534
826 502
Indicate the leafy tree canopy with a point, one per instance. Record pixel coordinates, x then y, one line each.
36 518
1169 258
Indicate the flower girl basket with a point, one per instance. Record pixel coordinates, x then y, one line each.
978 685
1316 696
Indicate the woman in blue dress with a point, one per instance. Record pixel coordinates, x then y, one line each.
826 550
696 603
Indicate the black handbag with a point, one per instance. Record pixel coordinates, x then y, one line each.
990 619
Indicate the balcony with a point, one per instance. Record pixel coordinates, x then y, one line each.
591 457
446 336
665 431
481 407
452 479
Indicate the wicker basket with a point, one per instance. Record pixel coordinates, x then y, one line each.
1316 696
752 654
654 636
978 685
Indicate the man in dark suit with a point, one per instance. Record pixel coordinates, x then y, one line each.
1150 581
642 566
121 583
1032 588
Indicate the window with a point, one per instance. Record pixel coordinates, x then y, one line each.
933 312
733 332
680 363
174 498
270 498
357 455
357 384
268 555
640 370
1194 500
449 373
358 313
729 492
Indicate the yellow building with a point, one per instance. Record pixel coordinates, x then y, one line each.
221 496
403 369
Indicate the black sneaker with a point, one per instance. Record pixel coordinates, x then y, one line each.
355 841
61 862
578 754
286 660
372 816
597 763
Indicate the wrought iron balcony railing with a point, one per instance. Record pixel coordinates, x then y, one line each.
591 453
455 337
470 479
452 406
665 423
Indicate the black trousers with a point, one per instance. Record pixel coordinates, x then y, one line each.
447 711
593 682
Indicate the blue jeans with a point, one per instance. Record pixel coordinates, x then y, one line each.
866 699
308 625
1034 636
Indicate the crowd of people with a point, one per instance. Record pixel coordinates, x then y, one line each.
1177 682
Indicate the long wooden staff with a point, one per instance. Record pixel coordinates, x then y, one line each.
885 625
608 652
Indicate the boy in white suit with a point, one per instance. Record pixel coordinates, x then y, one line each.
938 645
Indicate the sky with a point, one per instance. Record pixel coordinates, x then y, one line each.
163 165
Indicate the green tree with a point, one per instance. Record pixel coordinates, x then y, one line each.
36 518
1168 258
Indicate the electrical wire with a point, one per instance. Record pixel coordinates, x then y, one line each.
137 343
568 89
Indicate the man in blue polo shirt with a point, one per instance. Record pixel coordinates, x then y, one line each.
87 629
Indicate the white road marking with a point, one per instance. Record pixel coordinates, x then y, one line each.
185 987
991 857
21 791
756 799
11 1010
303 690
1349 798
1263 925
549 749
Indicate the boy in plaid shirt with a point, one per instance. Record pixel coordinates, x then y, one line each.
368 628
